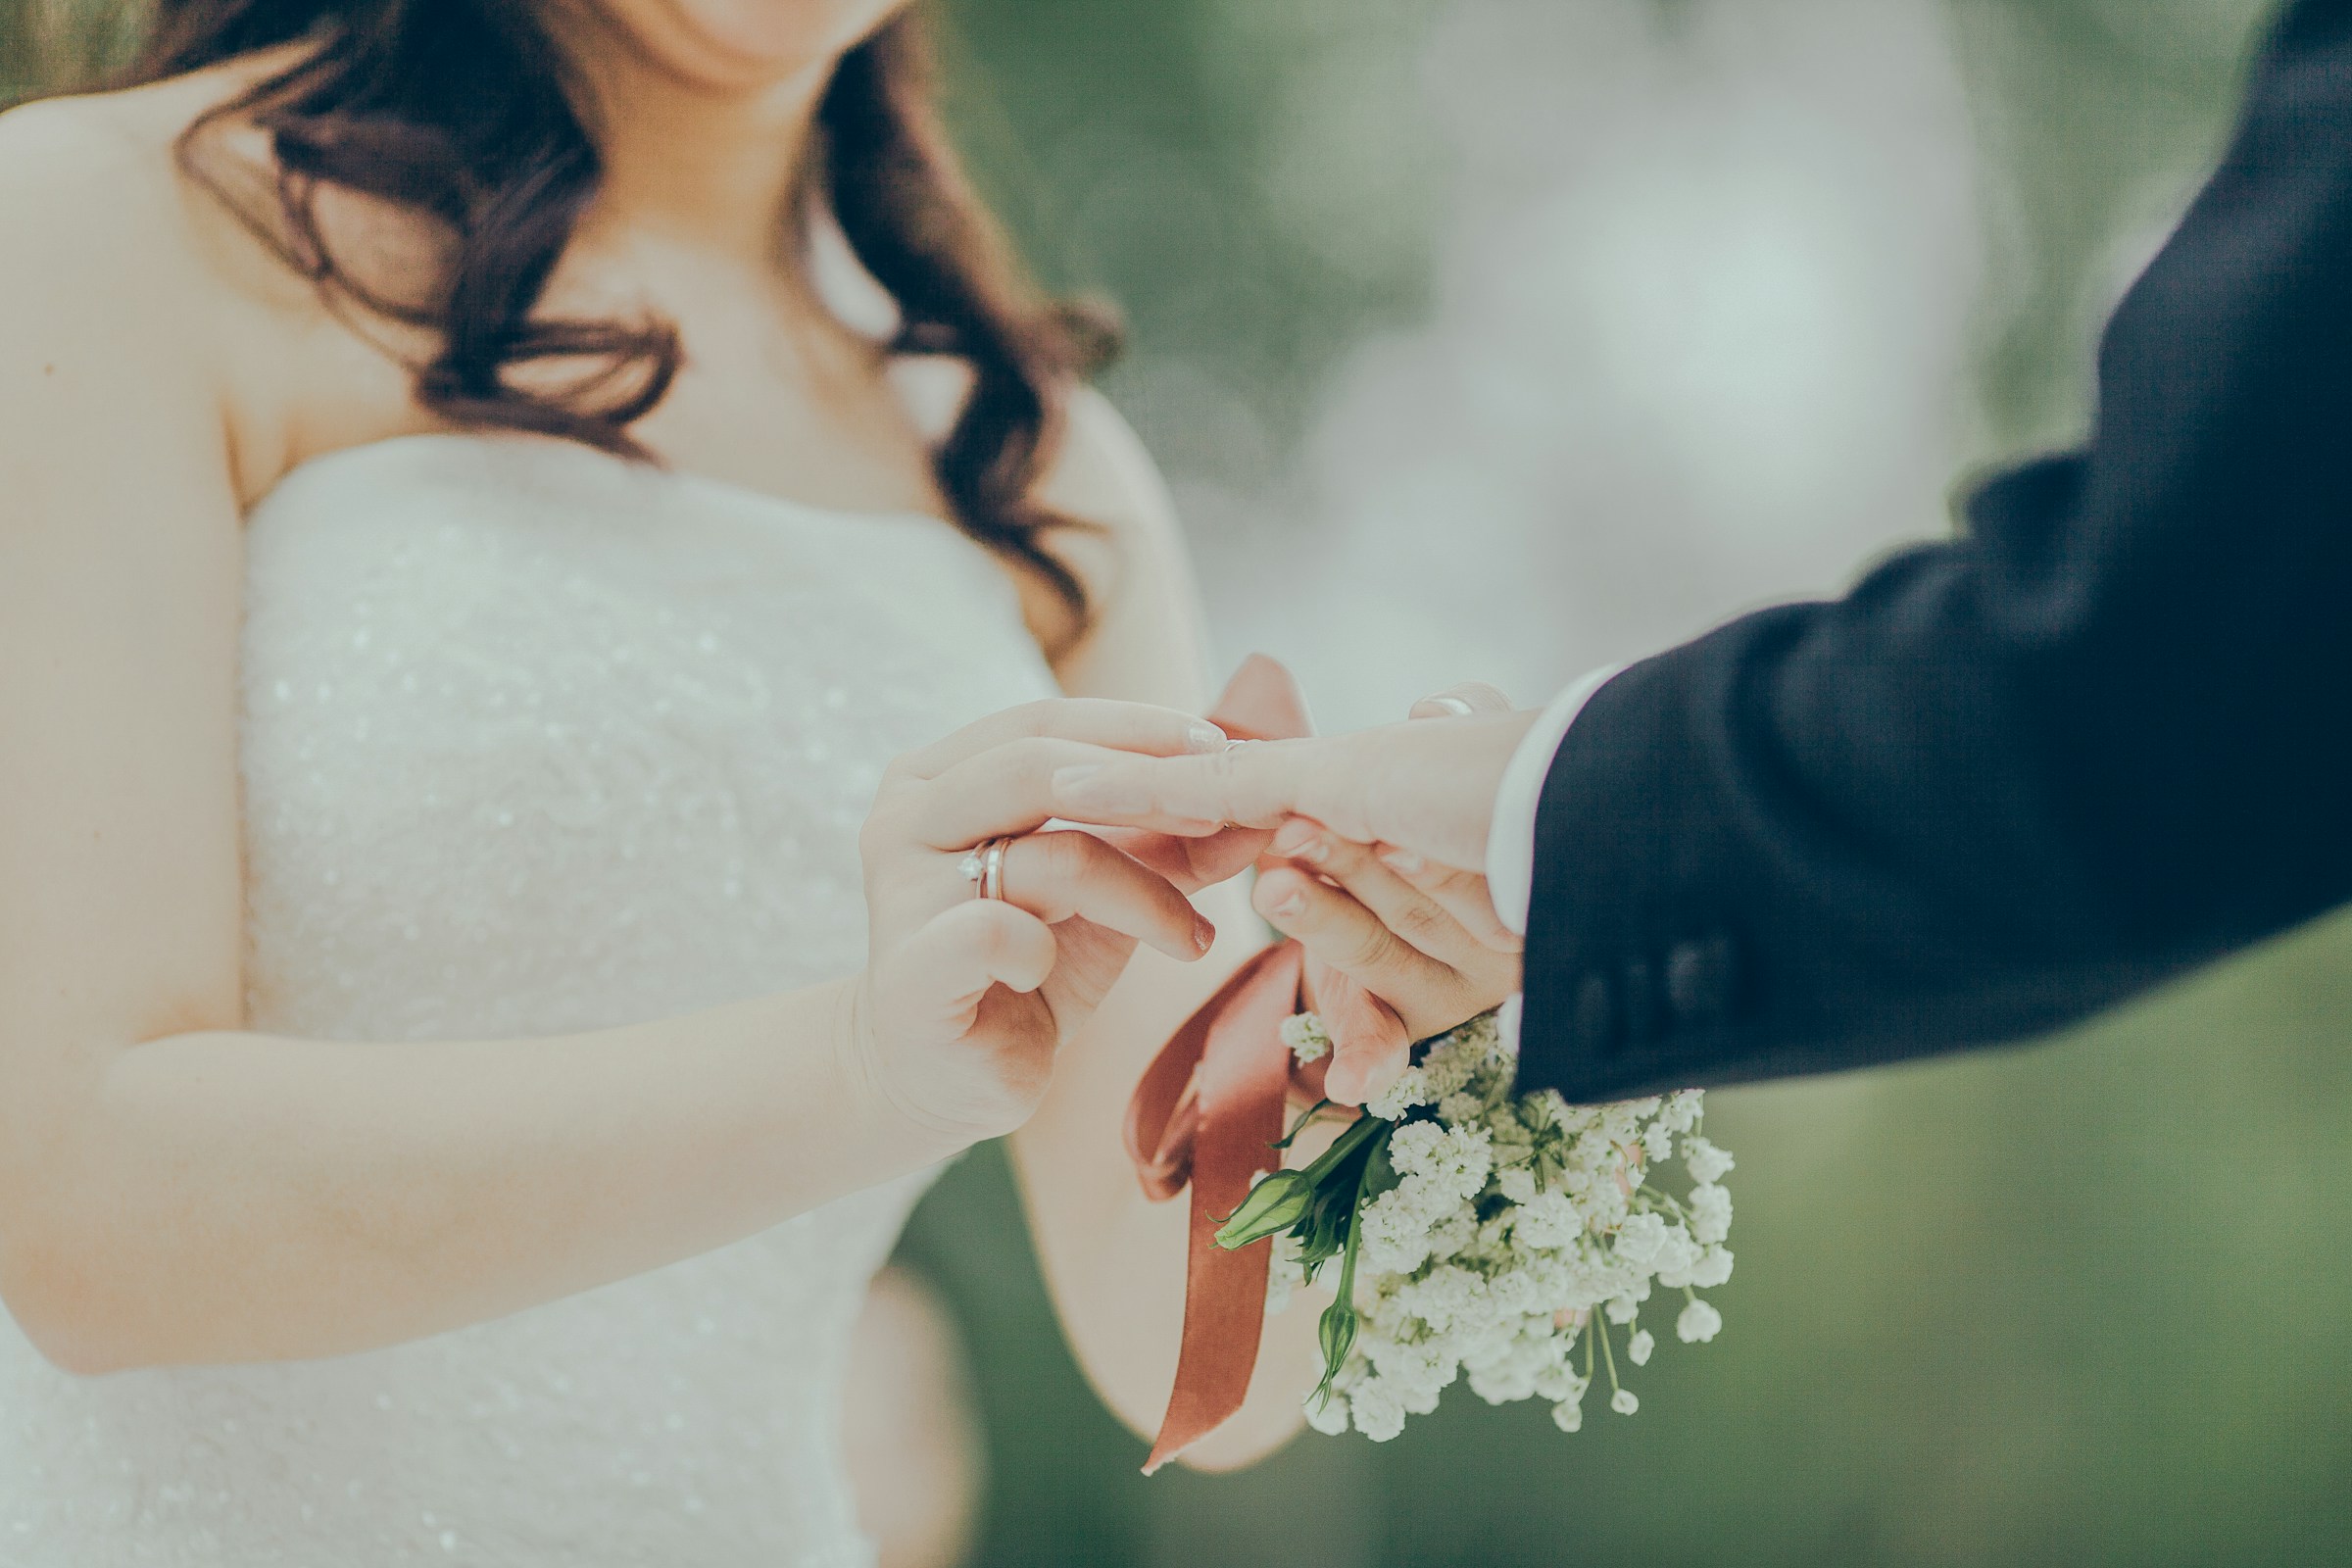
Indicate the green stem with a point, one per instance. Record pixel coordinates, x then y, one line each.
1609 1352
1346 1296
1312 1111
1341 1314
1347 1143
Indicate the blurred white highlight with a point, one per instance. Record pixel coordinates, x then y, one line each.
1697 343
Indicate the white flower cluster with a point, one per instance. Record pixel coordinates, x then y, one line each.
1516 1227
1304 1034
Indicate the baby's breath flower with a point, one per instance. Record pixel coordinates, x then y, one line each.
1327 1412
1641 1238
1710 1213
1548 1221
1496 1237
1304 1034
1284 1273
1377 1412
1408 1091
1461 1109
1704 1161
1396 1235
1698 1323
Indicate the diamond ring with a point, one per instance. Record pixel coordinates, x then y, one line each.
984 868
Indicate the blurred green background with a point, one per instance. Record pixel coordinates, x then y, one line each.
2078 1303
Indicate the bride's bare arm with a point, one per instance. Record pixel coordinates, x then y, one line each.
174 1187
1114 1262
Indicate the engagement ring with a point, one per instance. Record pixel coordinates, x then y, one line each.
984 868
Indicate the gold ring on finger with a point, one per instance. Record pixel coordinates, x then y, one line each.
984 868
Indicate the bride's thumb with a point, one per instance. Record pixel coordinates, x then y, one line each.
956 955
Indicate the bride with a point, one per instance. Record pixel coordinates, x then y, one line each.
464 585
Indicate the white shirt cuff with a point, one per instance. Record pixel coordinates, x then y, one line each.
1511 839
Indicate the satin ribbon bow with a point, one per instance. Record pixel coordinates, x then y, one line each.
1211 1107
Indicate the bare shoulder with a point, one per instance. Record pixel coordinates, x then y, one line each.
90 187
116 263
75 174
1102 476
1102 473
116 312
1143 639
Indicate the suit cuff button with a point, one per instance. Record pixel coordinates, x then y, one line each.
1701 981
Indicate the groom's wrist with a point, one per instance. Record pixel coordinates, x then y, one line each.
1511 834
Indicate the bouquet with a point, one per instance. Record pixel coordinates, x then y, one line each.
1474 1232
1485 1235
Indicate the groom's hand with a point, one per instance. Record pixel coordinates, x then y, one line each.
1427 786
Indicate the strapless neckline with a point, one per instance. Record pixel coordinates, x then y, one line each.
390 448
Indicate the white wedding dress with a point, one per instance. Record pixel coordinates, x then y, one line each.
538 741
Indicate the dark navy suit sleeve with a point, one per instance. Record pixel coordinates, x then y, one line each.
2012 778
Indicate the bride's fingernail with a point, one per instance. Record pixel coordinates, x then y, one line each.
1206 738
1205 935
1405 862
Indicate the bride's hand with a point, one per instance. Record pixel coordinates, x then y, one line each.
965 999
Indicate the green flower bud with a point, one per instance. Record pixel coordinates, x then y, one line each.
1337 1331
1273 1206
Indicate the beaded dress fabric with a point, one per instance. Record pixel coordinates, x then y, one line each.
534 742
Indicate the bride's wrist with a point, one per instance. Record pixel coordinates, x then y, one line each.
869 1090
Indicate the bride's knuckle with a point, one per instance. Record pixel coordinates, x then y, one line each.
1034 755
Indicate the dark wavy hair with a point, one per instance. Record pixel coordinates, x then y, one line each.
466 112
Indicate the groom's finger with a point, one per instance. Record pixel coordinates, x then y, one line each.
1369 1044
1412 915
1462 894
1334 928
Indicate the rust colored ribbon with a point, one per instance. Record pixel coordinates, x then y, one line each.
1208 1113
1211 1107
